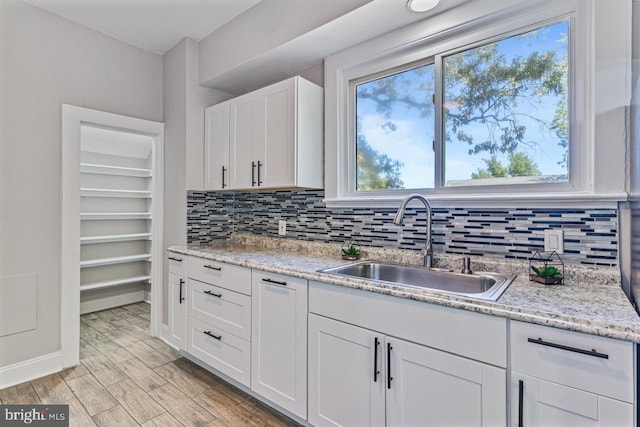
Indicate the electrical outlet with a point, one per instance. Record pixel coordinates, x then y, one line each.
554 240
282 227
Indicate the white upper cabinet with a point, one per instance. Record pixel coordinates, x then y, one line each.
243 137
273 138
216 150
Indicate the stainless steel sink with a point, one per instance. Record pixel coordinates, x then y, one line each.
488 286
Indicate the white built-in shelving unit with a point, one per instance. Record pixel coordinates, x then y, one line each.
116 196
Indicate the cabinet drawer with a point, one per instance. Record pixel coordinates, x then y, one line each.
278 279
222 351
555 355
220 307
226 276
177 263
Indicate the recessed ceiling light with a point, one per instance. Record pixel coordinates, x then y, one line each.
422 5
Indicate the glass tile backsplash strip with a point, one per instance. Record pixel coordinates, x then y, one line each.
590 235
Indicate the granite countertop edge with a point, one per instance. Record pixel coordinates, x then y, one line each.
593 309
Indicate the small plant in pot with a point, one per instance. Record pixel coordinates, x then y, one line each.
351 252
547 275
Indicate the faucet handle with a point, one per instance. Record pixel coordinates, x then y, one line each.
466 266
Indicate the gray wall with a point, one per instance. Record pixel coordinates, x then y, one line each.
184 104
47 61
266 26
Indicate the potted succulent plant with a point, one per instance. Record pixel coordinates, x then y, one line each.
350 252
547 275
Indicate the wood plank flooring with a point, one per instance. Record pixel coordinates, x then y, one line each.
128 378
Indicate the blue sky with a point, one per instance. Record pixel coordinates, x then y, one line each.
411 143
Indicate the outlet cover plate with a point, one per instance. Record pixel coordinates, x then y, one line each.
282 227
554 240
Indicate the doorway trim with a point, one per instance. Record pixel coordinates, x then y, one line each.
73 118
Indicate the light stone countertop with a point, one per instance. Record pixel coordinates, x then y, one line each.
591 300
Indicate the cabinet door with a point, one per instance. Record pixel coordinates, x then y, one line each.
279 340
243 131
178 310
216 149
342 387
433 388
547 404
276 148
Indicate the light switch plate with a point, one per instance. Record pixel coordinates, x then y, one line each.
554 240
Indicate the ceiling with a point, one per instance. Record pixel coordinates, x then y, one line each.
152 25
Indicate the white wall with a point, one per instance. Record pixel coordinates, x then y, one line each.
184 104
47 61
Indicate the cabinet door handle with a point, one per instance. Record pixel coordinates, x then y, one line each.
520 403
223 171
212 294
376 343
253 174
591 352
389 377
175 259
259 167
275 282
213 267
218 337
181 298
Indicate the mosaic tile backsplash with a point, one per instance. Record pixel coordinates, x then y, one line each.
590 235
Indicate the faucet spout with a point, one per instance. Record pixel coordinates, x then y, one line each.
427 251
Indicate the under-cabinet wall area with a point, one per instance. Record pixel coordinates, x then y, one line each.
116 196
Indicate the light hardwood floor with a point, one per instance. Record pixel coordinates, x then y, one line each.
128 378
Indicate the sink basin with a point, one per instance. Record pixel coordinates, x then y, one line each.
488 286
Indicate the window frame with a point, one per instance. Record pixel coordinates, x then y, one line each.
410 45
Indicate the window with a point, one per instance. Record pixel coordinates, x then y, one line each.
505 110
505 117
515 102
395 130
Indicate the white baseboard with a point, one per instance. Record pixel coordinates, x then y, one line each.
30 369
110 302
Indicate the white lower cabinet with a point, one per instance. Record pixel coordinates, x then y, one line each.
433 388
279 340
220 350
178 311
361 377
342 387
177 307
219 317
564 378
546 404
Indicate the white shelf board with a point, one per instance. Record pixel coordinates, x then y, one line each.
116 260
112 283
114 170
114 238
95 216
108 192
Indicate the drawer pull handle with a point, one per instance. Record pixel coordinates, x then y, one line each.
275 282
591 352
520 403
376 372
213 267
217 337
212 294
389 377
172 258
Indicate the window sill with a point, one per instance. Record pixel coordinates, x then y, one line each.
539 200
